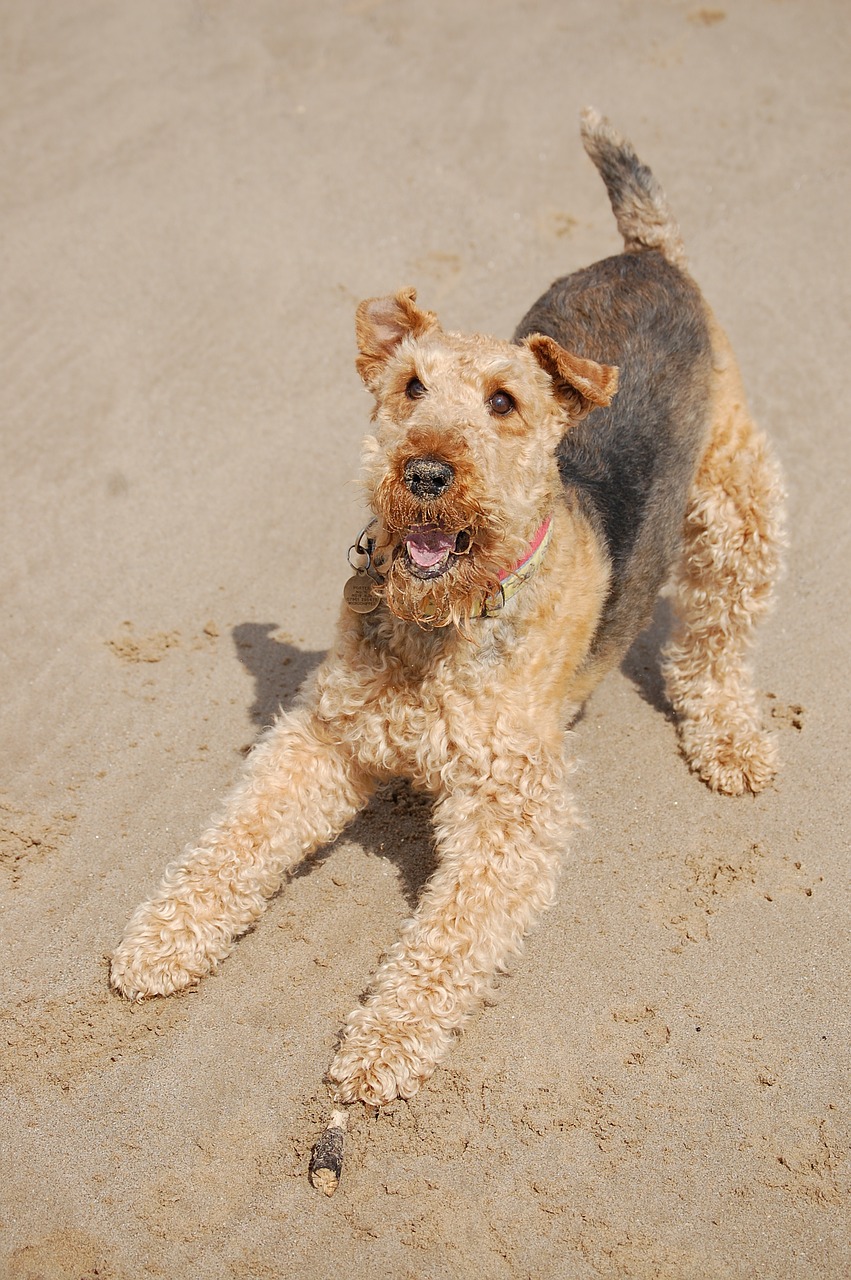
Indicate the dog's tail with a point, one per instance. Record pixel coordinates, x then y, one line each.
638 202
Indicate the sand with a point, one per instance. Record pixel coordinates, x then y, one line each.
193 198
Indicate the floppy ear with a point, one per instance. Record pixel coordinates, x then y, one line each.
581 385
381 324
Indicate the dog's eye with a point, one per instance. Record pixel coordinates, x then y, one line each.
502 403
415 389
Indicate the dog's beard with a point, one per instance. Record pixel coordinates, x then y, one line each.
450 596
439 559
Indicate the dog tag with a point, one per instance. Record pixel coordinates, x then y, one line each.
358 594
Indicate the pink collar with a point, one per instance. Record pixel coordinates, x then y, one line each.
511 582
541 533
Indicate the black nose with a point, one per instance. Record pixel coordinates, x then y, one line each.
428 478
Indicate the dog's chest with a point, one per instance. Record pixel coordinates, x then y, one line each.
423 722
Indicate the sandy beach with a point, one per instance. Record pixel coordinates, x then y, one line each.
195 194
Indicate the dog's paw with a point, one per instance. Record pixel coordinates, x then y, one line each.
379 1061
730 762
159 956
138 975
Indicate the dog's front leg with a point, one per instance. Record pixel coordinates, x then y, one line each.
500 840
298 792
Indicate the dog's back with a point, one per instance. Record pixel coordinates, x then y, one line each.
630 466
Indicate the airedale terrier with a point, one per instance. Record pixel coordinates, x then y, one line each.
528 500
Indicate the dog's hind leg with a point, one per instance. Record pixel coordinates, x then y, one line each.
299 790
721 587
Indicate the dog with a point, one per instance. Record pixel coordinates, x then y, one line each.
528 501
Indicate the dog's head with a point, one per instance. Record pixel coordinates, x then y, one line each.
461 469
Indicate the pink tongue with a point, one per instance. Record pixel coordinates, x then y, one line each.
427 547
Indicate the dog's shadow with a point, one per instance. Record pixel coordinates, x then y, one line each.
643 661
279 669
396 824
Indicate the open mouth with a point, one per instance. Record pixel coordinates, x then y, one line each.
430 551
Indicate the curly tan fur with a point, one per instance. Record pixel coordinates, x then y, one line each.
476 445
721 587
